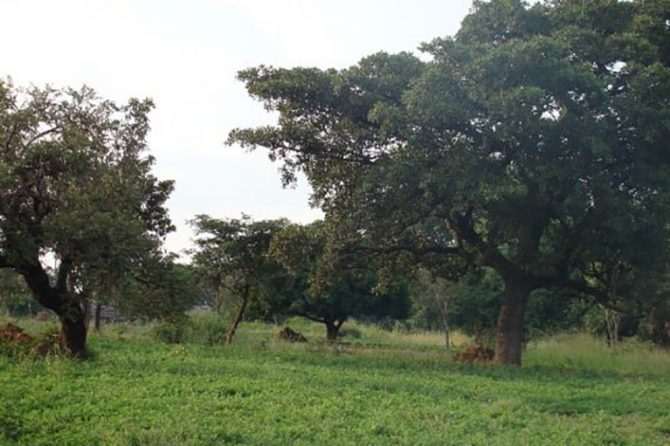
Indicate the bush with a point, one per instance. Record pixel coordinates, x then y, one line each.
656 326
207 329
169 332
21 305
15 297
351 333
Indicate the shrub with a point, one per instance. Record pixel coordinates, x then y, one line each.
351 332
208 329
21 305
169 332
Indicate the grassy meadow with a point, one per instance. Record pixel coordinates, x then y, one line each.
376 388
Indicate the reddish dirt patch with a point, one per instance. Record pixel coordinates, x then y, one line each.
474 353
22 343
291 336
10 333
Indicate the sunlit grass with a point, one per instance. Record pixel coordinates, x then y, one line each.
583 351
377 387
563 351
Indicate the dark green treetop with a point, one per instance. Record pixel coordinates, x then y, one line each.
332 290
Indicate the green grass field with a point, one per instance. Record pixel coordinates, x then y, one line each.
379 388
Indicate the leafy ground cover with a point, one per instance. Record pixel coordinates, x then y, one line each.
136 391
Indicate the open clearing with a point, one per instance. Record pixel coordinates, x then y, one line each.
139 392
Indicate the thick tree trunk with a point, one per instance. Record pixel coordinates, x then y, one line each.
238 319
510 330
62 302
73 329
333 329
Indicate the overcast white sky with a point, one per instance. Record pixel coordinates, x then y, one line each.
184 54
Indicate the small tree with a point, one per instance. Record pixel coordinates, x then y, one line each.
432 298
232 256
328 291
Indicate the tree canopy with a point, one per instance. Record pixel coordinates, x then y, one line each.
533 142
232 256
332 292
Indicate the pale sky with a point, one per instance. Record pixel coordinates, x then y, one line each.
185 54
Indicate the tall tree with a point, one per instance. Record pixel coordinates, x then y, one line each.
76 189
534 143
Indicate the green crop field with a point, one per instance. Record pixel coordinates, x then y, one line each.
378 388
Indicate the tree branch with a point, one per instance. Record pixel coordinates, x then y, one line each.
307 316
412 249
601 296
41 135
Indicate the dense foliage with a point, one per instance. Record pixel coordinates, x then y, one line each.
330 293
233 259
533 143
76 189
15 297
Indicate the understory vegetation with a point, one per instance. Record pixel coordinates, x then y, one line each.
374 387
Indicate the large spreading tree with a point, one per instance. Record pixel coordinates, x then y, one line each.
79 206
533 143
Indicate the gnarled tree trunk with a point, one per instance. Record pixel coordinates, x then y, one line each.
333 329
64 303
73 326
510 330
